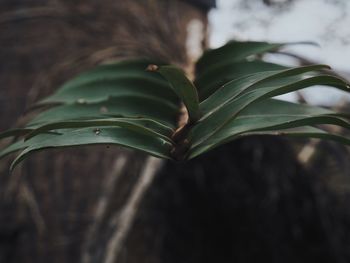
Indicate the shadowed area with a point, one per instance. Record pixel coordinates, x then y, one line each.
248 201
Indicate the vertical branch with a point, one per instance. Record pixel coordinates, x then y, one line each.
29 198
102 206
126 217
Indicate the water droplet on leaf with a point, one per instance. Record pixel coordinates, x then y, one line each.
103 109
97 131
81 101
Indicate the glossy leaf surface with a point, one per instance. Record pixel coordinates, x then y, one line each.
231 97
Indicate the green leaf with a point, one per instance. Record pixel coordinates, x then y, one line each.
123 79
112 71
303 132
14 147
234 88
210 124
234 51
267 116
131 107
310 132
184 88
123 104
101 90
87 136
143 126
212 80
19 132
15 132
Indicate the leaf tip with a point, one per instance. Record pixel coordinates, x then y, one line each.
13 166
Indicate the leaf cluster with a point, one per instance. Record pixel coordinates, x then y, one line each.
137 104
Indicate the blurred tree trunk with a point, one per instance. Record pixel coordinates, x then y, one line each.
60 206
249 201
